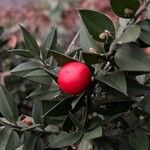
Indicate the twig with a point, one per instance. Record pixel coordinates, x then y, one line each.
139 12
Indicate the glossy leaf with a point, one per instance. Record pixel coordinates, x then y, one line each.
45 93
96 23
37 112
24 68
8 107
30 42
145 104
114 79
130 57
49 43
145 28
96 133
8 139
125 9
131 34
62 108
21 52
39 76
86 40
139 140
92 58
61 58
64 139
76 122
33 143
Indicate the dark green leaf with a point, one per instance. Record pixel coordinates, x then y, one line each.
45 93
96 23
39 76
49 43
85 145
86 40
76 122
61 58
64 139
92 58
145 30
130 57
9 139
139 140
21 52
30 42
37 112
8 107
114 79
62 108
145 104
24 68
125 9
96 133
33 143
52 74
131 34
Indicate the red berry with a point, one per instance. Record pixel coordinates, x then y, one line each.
27 120
74 77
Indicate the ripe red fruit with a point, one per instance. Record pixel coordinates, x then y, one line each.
74 77
27 120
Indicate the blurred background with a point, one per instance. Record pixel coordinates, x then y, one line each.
38 16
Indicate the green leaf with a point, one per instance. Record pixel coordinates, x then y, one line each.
24 68
125 9
62 108
49 43
33 143
21 52
114 79
145 30
135 89
139 140
130 57
96 133
61 58
52 74
30 42
39 76
131 34
8 107
145 104
37 112
86 40
92 58
76 122
45 93
96 23
8 139
64 139
85 145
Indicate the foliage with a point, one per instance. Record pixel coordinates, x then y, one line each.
113 113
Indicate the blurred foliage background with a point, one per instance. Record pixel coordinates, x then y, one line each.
38 16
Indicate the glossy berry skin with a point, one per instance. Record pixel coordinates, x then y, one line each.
27 120
74 78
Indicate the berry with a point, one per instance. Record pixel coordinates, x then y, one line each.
74 78
27 120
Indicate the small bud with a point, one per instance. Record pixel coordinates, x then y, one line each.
92 50
102 36
27 120
128 12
